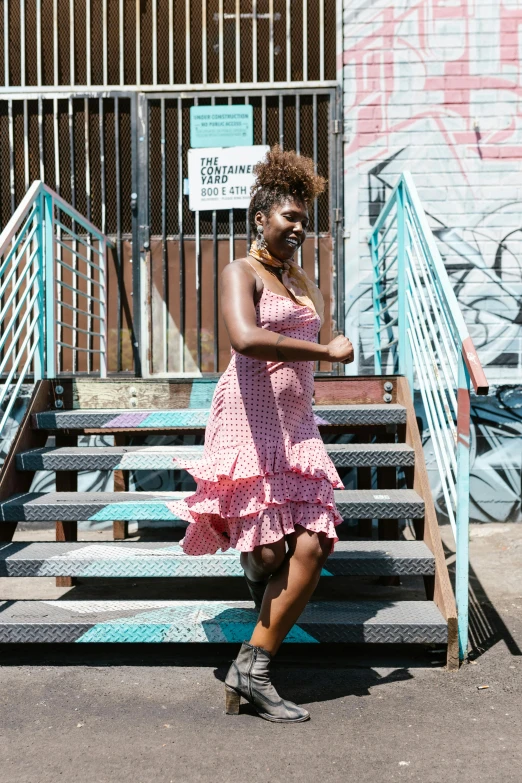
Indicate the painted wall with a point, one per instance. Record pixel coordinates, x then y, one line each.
435 86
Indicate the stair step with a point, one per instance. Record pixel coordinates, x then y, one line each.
347 455
196 418
165 559
216 621
162 457
151 506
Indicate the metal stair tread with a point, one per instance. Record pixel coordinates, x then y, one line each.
151 506
167 559
196 418
216 621
161 457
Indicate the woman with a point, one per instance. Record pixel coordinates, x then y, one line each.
265 483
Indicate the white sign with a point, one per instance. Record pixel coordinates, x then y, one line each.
221 177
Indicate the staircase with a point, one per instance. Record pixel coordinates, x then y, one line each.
373 440
54 302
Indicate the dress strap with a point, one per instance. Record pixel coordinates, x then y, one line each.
291 296
254 270
258 293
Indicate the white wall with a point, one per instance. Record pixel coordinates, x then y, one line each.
435 86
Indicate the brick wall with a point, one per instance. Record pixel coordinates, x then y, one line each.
435 86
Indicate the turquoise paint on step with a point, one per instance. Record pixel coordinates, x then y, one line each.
196 417
214 622
130 512
202 393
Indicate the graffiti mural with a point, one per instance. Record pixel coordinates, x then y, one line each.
435 86
496 457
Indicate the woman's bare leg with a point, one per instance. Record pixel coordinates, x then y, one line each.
290 588
263 560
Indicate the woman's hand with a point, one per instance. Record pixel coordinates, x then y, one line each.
340 349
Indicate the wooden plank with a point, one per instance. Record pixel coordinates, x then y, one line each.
360 390
66 481
132 393
177 392
120 528
443 596
13 481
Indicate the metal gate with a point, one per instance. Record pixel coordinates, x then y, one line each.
82 147
95 102
181 253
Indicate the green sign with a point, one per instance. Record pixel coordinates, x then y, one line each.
221 126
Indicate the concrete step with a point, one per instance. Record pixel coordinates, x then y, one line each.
216 621
151 506
114 420
162 457
166 559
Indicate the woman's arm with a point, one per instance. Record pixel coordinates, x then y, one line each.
237 304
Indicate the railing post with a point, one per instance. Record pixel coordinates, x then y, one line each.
39 357
50 285
103 309
403 240
462 516
376 307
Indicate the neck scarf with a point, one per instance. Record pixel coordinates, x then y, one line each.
294 279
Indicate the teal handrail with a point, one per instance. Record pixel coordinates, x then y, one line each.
420 332
40 268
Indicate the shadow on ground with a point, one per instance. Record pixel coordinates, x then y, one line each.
486 626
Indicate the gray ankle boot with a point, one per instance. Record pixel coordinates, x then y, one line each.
249 677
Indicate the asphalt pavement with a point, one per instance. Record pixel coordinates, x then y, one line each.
95 714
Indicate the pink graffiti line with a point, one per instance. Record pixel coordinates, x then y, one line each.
375 82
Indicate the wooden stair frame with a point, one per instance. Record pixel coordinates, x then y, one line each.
443 595
89 393
13 481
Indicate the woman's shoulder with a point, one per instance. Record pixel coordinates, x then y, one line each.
239 267
243 261
240 271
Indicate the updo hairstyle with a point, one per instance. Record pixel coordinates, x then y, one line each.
283 174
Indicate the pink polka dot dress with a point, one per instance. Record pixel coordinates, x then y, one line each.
264 468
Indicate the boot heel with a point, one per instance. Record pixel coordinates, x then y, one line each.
232 701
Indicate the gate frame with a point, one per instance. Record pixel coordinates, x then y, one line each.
25 94
142 304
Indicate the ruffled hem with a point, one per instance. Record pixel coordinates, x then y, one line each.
207 533
307 458
230 499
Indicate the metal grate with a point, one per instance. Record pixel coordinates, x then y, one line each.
188 250
61 141
124 42
83 141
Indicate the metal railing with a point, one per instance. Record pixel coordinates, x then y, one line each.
52 294
419 332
